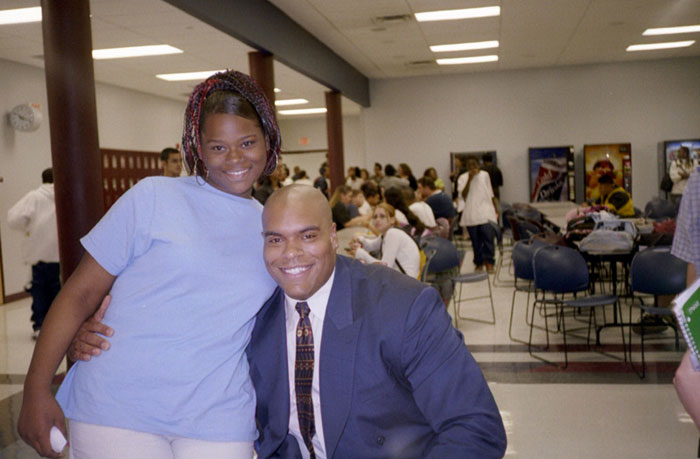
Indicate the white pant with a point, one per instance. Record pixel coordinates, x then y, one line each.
89 441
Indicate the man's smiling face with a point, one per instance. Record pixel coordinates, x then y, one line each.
300 240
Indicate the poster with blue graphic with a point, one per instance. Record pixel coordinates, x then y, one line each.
552 174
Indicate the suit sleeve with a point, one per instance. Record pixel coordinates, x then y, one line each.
448 386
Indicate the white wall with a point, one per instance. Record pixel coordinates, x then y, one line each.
314 131
126 119
421 120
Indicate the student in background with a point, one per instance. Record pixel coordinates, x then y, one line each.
432 173
35 216
478 207
171 161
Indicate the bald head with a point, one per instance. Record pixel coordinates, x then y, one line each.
300 240
298 195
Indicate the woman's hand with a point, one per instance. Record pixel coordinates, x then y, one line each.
87 342
39 413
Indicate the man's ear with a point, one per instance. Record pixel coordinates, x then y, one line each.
334 236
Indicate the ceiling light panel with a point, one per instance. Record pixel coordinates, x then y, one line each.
134 51
302 111
285 102
450 15
467 60
655 46
20 15
188 75
464 46
672 30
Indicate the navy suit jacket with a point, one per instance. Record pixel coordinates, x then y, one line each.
396 379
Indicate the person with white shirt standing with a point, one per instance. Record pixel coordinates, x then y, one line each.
477 204
35 215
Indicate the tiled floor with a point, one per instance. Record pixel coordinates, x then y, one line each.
596 408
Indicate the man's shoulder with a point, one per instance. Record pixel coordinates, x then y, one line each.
372 284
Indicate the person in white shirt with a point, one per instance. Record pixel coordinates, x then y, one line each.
420 209
353 179
363 207
679 171
478 207
398 250
35 215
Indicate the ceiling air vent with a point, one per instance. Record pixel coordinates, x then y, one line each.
416 64
391 19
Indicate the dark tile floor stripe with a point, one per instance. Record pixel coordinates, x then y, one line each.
505 348
575 373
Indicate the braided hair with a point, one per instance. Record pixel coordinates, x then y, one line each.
243 91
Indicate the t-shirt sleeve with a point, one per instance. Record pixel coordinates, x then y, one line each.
124 231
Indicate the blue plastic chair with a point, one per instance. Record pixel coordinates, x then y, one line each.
524 276
503 253
469 278
561 270
659 209
655 271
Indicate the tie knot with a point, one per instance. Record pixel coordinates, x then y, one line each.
303 309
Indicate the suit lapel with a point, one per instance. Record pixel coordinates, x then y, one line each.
276 345
337 365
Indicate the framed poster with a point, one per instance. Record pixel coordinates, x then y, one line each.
671 150
551 174
614 159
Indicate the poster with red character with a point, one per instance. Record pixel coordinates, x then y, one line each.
613 159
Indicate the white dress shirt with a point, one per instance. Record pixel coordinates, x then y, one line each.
318 303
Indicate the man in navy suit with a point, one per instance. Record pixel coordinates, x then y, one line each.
391 376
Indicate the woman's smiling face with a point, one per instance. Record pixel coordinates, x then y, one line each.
234 153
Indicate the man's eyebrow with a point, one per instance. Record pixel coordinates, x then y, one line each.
303 230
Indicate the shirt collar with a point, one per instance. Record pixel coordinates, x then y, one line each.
318 302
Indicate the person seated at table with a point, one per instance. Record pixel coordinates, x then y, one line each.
614 197
404 216
397 249
339 202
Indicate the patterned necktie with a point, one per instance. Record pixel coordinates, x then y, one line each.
304 375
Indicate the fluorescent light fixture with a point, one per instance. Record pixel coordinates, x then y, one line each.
282 102
467 60
188 75
653 46
672 30
134 51
468 13
464 46
20 15
302 111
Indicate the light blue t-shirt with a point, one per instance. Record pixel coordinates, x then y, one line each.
190 279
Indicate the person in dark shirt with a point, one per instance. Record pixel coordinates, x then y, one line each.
494 174
437 200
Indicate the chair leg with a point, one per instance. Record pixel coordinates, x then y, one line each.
458 300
